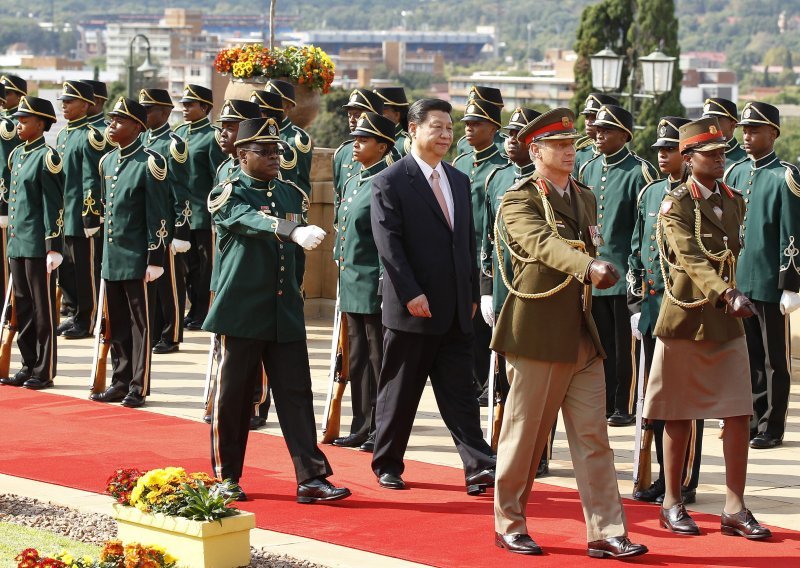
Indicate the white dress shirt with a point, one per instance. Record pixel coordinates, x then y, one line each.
444 183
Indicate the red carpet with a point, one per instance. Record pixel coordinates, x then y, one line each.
77 443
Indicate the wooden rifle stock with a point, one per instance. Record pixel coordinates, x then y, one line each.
99 384
58 302
8 340
643 477
498 422
341 374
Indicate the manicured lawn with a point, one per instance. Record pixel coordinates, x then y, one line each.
15 538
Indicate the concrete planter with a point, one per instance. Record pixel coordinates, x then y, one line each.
196 544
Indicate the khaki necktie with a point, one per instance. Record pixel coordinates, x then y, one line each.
437 191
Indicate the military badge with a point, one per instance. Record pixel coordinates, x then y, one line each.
273 131
601 115
707 108
712 129
594 234
471 109
516 117
662 131
747 112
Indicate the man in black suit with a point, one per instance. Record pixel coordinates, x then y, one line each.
422 223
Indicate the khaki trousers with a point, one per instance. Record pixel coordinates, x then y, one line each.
538 390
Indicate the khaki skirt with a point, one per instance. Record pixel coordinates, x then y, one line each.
698 379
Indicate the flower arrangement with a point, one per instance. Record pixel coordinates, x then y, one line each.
113 555
172 491
307 65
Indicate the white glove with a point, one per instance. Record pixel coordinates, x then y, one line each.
90 232
153 272
3 221
178 246
635 326
487 310
308 237
53 260
790 301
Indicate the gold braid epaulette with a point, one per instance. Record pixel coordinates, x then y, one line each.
54 166
725 257
96 138
290 163
214 204
5 132
500 240
304 147
156 164
174 150
791 177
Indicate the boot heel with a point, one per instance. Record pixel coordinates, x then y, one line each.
476 489
595 553
729 531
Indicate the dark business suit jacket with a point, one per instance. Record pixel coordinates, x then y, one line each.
420 254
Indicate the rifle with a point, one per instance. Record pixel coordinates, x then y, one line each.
211 376
10 321
332 414
490 387
642 470
102 343
58 301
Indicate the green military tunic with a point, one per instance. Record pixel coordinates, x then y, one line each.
585 150
478 165
80 146
296 159
227 170
497 183
205 156
359 264
734 153
768 263
100 122
646 285
254 219
344 167
463 147
137 205
174 148
616 181
8 141
402 141
36 205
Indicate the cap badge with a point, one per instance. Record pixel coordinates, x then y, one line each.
360 122
565 121
662 131
601 115
471 109
707 108
516 117
712 129
746 113
272 130
226 110
354 96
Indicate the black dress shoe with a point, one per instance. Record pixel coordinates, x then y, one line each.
165 347
677 520
543 469
320 489
391 481
479 482
743 524
64 326
256 422
351 441
194 325
620 419
37 384
17 380
64 311
765 441
518 543
369 445
133 400
653 494
111 394
615 547
75 332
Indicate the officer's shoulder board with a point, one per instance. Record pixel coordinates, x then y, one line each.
306 199
7 129
730 169
52 161
584 142
302 140
178 148
156 164
680 192
342 145
792 177
645 188
97 139
220 195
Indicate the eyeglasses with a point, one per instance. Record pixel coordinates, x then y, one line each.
265 153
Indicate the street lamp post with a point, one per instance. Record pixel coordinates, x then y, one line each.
145 67
657 71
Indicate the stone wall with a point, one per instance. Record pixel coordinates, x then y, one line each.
321 276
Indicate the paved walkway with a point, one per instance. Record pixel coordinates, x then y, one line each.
773 489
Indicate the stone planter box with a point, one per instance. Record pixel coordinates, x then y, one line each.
196 544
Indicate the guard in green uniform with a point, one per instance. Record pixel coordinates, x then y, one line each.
8 141
646 291
344 166
296 163
482 120
168 294
768 271
96 114
205 156
359 277
491 96
727 116
616 176
138 204
258 311
34 242
80 146
585 148
16 87
395 108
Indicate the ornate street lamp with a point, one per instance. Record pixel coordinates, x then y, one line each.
145 68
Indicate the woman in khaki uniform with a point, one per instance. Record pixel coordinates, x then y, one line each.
700 366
